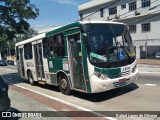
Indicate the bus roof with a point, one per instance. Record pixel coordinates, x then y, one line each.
63 28
76 25
109 22
31 39
54 31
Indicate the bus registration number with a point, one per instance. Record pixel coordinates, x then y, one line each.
122 80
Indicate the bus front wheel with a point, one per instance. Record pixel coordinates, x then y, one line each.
30 78
64 84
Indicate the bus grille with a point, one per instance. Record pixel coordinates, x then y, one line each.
114 76
125 73
118 84
122 74
121 84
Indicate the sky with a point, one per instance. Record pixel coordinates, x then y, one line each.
55 12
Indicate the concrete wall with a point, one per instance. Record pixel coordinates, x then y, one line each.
93 6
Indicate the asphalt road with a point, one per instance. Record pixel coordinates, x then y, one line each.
141 96
11 67
148 79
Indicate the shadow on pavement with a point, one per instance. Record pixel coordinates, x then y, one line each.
13 78
49 87
96 97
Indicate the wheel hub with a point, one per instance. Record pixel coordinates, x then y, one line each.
64 84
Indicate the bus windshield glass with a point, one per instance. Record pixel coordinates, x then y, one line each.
109 45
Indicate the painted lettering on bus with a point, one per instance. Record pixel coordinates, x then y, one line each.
126 68
29 64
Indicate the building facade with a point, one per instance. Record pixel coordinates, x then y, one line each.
142 17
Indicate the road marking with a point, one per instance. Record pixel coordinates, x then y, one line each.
151 85
62 101
8 69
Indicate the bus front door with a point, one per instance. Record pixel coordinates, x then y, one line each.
76 61
21 63
39 61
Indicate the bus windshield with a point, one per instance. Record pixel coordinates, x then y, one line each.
109 45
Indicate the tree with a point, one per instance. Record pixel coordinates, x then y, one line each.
28 34
3 45
14 15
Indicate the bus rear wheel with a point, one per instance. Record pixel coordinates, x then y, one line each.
30 78
64 84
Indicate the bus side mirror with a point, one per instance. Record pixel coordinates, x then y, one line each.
85 40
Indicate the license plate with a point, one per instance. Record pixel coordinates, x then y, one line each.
122 80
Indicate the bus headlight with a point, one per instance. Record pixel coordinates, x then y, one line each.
100 75
134 68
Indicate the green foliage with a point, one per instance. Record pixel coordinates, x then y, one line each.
3 43
14 15
28 34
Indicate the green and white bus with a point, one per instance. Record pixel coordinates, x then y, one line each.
86 56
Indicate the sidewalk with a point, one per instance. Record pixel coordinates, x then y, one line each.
148 66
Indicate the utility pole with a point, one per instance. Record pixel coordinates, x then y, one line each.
146 49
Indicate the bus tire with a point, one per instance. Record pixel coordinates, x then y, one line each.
64 84
30 78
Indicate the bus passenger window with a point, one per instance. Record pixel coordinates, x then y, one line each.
45 48
28 51
51 54
59 48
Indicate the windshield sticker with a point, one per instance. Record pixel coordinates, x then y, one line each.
50 64
121 55
80 54
65 65
124 69
98 57
131 54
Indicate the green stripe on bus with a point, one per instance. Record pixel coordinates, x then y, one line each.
63 28
85 66
111 72
71 32
55 64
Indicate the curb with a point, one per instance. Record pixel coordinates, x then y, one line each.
61 101
153 73
148 69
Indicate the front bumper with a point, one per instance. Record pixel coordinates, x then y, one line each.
99 85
